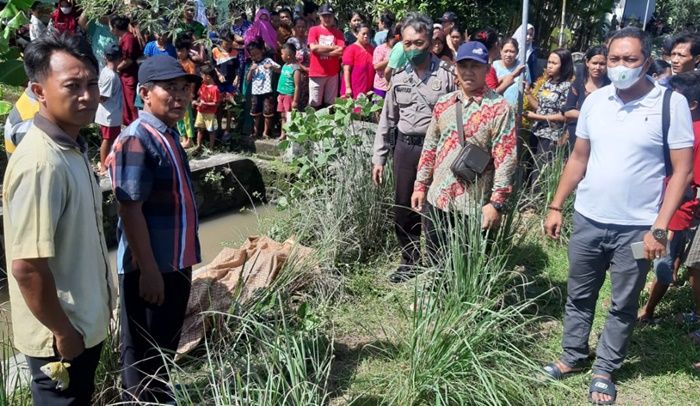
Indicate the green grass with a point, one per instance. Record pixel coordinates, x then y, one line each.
656 372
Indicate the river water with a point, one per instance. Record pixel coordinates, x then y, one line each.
223 230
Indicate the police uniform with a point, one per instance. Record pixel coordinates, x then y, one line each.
408 108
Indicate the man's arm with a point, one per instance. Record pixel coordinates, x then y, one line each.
574 171
136 231
38 289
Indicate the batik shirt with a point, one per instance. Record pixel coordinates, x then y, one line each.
489 122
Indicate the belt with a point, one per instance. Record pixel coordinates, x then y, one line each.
416 139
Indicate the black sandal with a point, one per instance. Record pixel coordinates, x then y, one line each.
604 386
553 371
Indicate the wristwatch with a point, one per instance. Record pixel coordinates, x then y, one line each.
659 234
500 207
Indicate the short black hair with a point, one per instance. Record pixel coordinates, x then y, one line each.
258 43
36 5
183 43
566 69
290 47
387 18
658 67
37 55
687 84
309 8
207 69
511 41
633 32
286 10
119 22
691 38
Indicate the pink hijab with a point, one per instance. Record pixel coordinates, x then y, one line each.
262 29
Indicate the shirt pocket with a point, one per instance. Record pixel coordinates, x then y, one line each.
652 122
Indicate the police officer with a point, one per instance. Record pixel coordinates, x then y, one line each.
404 120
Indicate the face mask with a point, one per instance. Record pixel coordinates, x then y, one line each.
417 56
623 77
66 10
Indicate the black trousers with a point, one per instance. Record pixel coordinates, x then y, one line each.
82 380
148 332
407 222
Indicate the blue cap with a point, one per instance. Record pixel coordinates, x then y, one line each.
474 50
161 68
112 50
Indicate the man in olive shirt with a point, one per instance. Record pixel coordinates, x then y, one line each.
61 287
406 115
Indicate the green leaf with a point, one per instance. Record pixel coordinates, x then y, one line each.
5 107
283 145
12 73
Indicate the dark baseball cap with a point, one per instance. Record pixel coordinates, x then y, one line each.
449 16
160 68
326 9
473 50
112 50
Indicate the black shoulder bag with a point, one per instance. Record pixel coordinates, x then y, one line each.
665 125
472 159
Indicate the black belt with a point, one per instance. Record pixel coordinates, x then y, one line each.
416 139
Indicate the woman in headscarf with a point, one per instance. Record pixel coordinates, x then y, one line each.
530 54
262 28
65 18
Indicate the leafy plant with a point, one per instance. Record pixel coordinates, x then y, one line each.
322 136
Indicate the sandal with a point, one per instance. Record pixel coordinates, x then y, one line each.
687 318
645 321
604 386
553 371
695 337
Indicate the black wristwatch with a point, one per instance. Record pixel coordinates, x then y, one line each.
659 234
500 207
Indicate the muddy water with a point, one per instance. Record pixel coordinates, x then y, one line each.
224 230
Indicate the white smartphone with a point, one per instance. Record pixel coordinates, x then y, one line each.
638 250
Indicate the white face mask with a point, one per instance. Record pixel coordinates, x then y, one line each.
66 10
623 77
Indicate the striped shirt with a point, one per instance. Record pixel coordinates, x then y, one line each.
148 164
20 120
489 122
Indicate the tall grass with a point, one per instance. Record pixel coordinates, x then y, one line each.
469 340
344 214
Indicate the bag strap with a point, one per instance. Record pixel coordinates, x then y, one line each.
460 123
665 125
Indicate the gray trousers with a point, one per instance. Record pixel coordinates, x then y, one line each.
594 248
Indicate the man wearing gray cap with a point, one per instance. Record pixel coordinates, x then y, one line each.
157 230
404 120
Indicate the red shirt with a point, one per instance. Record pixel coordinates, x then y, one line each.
323 66
683 217
492 79
131 50
209 94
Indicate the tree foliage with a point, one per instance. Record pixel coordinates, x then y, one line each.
679 14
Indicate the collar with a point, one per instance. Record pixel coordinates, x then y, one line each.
432 70
154 122
57 135
477 98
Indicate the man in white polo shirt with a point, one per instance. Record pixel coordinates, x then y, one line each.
619 166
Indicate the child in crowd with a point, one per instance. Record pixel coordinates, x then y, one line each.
289 85
186 126
260 78
687 84
109 112
207 103
226 58
161 45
